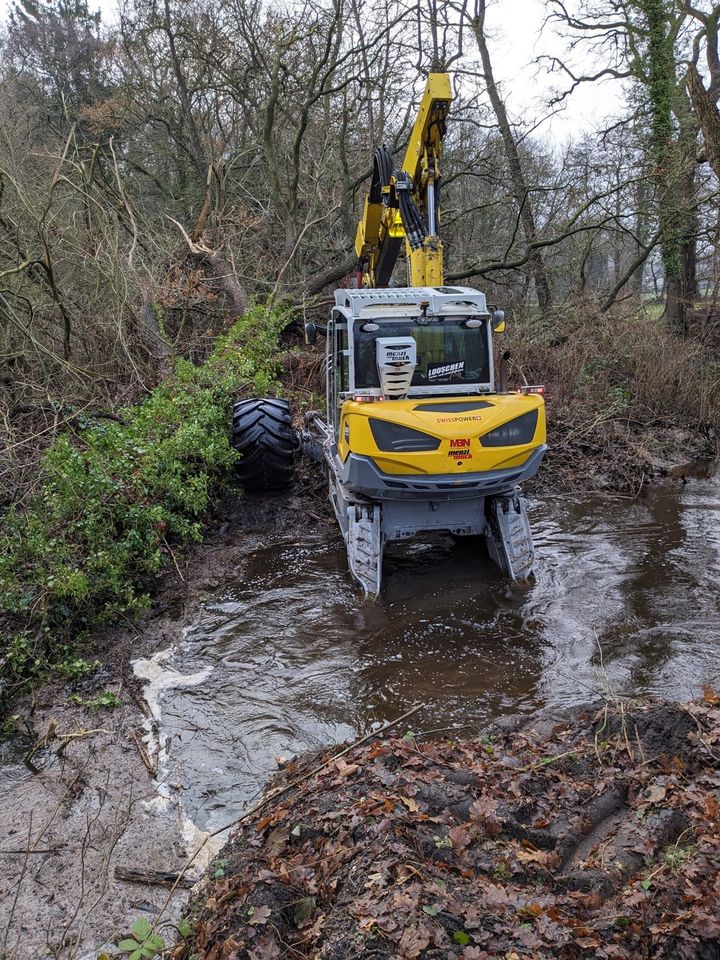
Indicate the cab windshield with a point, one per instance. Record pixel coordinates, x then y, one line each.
448 352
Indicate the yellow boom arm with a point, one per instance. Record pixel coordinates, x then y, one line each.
403 204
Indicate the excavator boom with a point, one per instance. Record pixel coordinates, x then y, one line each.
402 205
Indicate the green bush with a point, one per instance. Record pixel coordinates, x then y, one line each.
113 497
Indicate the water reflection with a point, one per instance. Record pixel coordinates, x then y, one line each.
627 594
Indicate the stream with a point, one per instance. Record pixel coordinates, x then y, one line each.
626 600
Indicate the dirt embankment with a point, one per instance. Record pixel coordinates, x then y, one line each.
594 834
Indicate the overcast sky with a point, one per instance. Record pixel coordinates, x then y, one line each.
517 37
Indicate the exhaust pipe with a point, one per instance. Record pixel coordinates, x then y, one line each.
503 376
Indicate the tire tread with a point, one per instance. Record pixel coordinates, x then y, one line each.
264 436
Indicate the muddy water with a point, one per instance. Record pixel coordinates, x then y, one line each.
627 596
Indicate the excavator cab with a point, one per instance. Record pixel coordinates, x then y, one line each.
416 436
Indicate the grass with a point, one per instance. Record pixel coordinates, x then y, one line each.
114 497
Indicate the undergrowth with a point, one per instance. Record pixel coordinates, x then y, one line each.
114 497
626 397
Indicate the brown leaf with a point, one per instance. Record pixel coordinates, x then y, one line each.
346 769
460 837
495 896
531 856
260 916
265 949
531 909
413 941
483 811
655 793
706 926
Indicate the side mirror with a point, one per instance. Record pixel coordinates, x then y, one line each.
498 321
311 332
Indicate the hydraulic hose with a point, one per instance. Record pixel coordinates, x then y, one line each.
415 228
382 171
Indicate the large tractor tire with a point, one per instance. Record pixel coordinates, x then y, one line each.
264 436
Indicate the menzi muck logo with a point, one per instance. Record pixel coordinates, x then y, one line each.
460 449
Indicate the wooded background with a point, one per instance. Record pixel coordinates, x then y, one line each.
159 172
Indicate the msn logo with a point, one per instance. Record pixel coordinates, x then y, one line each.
460 442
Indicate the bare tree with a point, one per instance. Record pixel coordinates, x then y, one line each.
521 192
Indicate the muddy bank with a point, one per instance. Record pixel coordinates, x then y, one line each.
87 791
621 456
588 834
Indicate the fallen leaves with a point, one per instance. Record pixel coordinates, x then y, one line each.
484 812
408 849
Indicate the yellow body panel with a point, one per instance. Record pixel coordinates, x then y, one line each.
426 133
460 450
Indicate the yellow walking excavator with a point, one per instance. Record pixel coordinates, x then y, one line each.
417 435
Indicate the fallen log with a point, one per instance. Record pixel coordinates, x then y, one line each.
153 878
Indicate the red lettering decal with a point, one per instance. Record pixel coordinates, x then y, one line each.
460 442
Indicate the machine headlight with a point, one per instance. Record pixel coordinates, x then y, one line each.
514 432
393 438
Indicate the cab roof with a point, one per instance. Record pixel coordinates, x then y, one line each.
439 299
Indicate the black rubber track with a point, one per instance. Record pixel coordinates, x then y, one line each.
263 433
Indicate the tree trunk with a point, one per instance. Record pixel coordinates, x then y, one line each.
671 162
708 117
641 233
517 176
676 305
